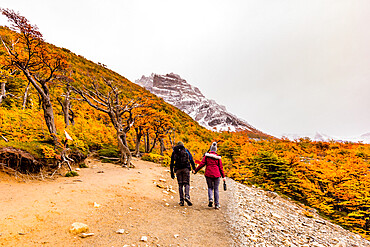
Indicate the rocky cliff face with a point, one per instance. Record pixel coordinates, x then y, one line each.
176 91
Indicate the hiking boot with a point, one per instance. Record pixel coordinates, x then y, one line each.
181 203
217 206
188 202
210 204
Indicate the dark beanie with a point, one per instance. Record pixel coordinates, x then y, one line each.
213 147
180 144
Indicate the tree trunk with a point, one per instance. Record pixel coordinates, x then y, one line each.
126 157
72 117
25 96
66 106
154 143
49 118
44 95
147 142
163 148
139 134
2 91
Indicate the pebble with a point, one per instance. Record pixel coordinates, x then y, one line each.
144 239
85 235
120 231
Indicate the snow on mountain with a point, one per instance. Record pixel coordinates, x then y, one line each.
177 92
365 138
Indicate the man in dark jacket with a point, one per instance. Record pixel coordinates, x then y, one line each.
181 160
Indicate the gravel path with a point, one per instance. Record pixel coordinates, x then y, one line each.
260 218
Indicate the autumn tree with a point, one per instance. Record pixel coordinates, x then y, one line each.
160 125
141 127
28 52
107 98
65 100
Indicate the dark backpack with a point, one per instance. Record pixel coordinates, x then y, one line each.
182 158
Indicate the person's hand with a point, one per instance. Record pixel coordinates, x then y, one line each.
172 176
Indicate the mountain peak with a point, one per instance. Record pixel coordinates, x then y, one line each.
179 93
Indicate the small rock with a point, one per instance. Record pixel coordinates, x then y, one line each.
144 239
320 221
100 171
166 192
162 180
77 169
271 194
341 244
78 227
176 235
254 239
247 216
315 244
85 235
96 205
167 205
275 215
21 233
120 231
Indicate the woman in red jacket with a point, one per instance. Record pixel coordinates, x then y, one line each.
214 171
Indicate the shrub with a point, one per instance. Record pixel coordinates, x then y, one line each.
109 151
83 165
156 158
71 174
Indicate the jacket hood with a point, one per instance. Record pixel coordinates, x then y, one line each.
178 148
213 155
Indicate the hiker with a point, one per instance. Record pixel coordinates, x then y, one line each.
181 160
214 171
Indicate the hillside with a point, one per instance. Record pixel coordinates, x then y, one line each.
92 128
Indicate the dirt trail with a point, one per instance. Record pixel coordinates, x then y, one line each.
38 213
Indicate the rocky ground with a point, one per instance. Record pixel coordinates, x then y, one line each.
139 207
260 218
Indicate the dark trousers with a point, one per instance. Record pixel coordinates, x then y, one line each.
183 179
213 184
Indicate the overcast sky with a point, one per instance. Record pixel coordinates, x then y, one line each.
285 66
